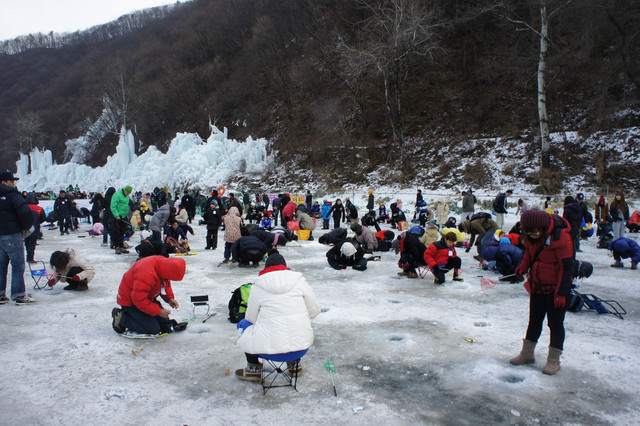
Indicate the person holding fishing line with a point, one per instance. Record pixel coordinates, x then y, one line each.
71 269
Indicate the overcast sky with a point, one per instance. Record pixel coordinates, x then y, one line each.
31 16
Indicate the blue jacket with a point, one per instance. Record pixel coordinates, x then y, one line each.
490 252
511 253
624 247
326 208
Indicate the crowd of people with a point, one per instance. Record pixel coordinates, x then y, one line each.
541 248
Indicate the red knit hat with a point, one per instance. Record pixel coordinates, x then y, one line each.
534 219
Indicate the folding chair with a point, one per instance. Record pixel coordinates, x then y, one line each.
199 301
275 370
593 302
38 275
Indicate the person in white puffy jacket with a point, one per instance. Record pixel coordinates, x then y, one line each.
280 308
72 269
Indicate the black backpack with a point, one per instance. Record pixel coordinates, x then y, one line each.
238 302
480 215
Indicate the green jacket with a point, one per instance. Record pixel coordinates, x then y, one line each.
120 204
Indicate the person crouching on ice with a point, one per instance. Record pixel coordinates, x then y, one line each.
71 269
139 288
280 308
441 258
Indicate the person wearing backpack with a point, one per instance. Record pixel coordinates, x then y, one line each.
548 263
500 206
280 308
482 229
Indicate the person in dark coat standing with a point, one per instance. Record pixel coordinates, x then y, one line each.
212 217
308 200
62 207
16 219
107 217
371 203
38 217
189 204
500 207
276 205
574 213
468 205
97 204
337 212
548 263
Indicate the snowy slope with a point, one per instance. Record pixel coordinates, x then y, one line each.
400 347
488 165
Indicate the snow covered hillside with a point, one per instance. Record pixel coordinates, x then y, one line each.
487 165
406 351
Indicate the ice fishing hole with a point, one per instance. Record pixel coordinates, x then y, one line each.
512 379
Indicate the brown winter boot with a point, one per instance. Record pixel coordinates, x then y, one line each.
526 355
634 265
294 371
252 372
553 361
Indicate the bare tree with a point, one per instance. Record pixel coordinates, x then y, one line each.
26 131
386 39
118 94
545 42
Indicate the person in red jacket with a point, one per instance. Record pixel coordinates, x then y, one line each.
548 254
441 258
139 288
288 211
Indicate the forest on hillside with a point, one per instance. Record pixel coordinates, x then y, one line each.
314 74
